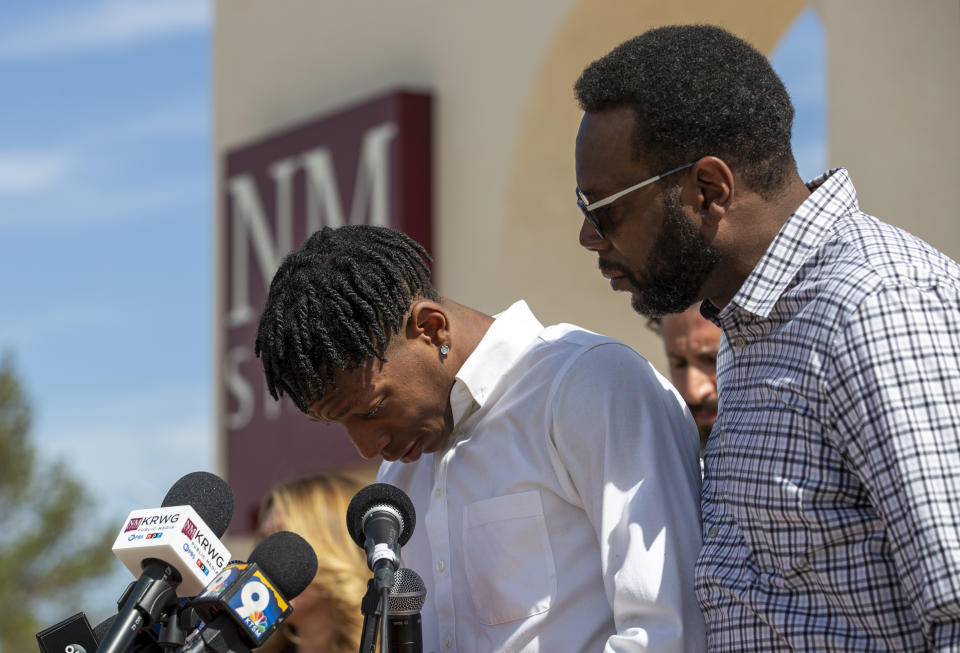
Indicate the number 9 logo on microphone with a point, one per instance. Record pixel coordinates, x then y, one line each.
254 597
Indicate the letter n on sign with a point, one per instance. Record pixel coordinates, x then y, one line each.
367 164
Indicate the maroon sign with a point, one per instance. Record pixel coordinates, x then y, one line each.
368 164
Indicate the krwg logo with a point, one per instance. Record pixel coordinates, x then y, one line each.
190 529
159 520
133 524
207 548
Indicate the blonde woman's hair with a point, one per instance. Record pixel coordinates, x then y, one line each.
315 508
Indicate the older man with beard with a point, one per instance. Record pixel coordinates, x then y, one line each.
831 491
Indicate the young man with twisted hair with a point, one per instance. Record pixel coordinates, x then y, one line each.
553 471
831 491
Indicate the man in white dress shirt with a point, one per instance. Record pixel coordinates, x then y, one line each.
553 471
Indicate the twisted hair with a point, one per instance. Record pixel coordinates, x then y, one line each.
334 304
697 90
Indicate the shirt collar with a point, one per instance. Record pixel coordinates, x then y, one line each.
499 349
832 196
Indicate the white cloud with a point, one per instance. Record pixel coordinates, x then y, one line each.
20 330
100 204
192 120
83 204
30 172
109 24
188 116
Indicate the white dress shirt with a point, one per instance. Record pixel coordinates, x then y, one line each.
563 515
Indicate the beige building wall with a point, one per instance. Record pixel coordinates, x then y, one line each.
894 101
505 224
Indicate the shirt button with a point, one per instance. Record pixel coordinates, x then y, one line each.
739 342
713 531
441 565
447 643
438 493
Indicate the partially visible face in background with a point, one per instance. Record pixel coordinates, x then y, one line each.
691 344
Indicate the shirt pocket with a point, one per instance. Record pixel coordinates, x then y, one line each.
508 560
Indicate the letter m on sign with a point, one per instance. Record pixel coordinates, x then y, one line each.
369 163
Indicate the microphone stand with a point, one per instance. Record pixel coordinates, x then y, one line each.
144 601
174 630
372 611
384 622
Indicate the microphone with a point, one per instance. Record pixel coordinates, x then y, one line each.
380 518
247 601
176 547
145 641
403 612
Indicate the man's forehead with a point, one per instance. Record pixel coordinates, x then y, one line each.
604 149
349 387
689 330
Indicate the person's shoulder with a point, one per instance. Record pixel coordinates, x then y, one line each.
874 255
867 265
588 355
571 336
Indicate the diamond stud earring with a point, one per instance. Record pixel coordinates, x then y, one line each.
444 350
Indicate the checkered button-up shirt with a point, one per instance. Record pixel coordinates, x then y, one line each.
831 497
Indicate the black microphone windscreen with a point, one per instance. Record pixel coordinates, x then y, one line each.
288 560
380 494
206 493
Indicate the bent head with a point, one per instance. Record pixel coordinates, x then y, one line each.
352 332
686 108
397 407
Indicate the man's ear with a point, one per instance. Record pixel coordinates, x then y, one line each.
715 188
429 320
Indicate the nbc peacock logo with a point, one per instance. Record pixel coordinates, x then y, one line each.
258 620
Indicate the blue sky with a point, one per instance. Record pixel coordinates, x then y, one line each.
105 237
800 58
106 257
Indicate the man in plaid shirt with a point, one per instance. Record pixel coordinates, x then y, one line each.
831 496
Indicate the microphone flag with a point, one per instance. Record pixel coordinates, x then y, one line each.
178 536
244 592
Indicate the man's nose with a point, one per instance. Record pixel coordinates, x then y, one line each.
369 444
589 238
698 385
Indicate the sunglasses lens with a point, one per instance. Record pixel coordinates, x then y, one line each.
595 223
591 218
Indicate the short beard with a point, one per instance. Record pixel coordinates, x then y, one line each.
677 267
